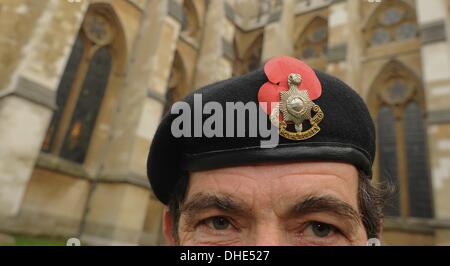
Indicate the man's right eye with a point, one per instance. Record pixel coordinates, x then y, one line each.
219 223
321 229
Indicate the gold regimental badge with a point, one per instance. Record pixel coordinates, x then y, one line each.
296 107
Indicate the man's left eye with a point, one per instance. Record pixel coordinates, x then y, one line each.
320 230
218 223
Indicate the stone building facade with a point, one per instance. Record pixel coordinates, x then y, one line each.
84 83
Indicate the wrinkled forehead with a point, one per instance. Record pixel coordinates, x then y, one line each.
278 183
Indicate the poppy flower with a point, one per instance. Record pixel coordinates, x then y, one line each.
277 71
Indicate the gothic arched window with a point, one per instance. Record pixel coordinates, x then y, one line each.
416 157
392 21
397 101
63 90
313 41
81 89
87 107
251 59
387 142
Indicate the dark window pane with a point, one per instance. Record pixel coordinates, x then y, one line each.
64 87
380 36
406 31
391 16
309 52
418 178
388 157
255 59
252 59
319 34
397 91
88 105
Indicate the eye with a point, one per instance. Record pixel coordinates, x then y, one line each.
218 223
320 230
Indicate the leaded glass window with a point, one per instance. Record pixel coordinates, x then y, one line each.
251 60
313 42
393 21
309 52
406 31
380 36
418 173
391 16
254 59
319 34
388 157
402 141
396 91
82 87
63 91
89 101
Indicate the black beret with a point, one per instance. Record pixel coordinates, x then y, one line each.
347 134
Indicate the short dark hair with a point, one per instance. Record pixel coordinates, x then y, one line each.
371 199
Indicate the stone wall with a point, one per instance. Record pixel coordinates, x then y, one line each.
107 199
34 63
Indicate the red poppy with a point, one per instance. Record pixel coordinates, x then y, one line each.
277 71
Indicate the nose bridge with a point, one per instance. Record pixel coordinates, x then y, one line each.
269 233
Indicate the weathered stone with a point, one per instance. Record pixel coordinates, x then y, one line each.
107 196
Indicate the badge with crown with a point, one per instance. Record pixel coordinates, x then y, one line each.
291 89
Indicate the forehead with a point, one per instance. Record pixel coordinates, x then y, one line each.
279 182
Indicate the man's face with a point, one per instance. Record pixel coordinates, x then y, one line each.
311 203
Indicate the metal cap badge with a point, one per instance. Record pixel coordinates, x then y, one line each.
292 86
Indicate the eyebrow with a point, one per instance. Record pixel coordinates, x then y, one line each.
307 205
330 204
203 201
